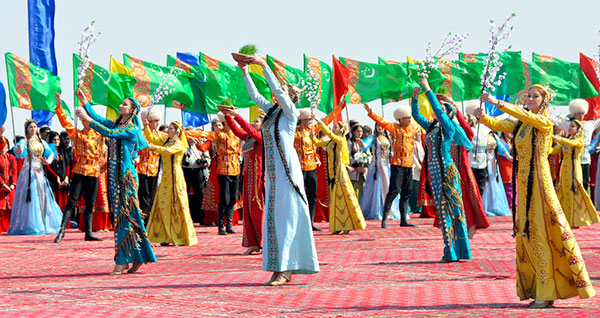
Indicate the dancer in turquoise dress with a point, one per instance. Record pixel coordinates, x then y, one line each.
125 139
445 179
35 210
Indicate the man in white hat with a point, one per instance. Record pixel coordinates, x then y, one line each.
403 135
307 153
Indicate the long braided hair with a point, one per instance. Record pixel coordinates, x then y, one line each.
30 154
573 157
334 150
530 174
277 136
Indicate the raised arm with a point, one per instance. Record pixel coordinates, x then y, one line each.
335 138
170 150
378 119
152 138
464 124
255 95
62 118
240 133
575 143
440 114
97 118
210 135
283 99
594 144
416 113
125 133
250 131
540 122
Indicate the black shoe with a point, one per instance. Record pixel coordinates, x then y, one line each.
406 224
230 230
384 224
222 231
90 237
61 234
316 228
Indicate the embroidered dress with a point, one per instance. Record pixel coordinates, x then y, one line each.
170 220
8 177
344 209
40 214
378 182
131 243
322 204
494 197
254 184
549 262
288 243
445 180
576 203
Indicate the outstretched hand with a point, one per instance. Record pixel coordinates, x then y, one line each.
368 108
416 92
478 112
488 98
424 83
83 115
57 100
81 96
244 67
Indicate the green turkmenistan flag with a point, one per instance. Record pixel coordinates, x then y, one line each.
565 78
435 78
321 74
289 75
370 81
150 75
220 80
29 86
468 69
391 97
102 87
199 101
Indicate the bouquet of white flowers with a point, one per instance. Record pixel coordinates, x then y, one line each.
363 159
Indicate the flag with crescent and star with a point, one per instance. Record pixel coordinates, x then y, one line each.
369 81
590 69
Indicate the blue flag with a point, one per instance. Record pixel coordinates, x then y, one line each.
492 110
41 46
189 118
3 109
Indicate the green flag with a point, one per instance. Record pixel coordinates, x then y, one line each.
369 81
391 97
150 75
289 75
29 86
102 87
565 78
468 69
319 77
220 80
435 78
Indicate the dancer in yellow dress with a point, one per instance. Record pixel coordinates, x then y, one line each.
575 201
549 262
170 220
344 209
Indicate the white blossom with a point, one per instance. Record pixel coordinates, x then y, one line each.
450 45
492 63
88 37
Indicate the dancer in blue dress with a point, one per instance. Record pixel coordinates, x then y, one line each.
35 210
445 179
125 139
288 242
493 196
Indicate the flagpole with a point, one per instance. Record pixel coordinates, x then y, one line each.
165 115
347 115
382 114
12 118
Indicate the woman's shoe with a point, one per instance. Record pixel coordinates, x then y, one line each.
271 279
538 304
346 232
282 278
134 268
251 250
119 269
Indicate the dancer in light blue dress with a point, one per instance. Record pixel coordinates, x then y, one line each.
288 242
378 178
493 196
35 210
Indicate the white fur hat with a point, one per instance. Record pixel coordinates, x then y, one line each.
578 105
470 106
154 114
402 112
304 114
144 114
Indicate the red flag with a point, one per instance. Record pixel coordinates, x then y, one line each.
341 79
590 68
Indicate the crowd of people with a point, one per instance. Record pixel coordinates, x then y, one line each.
288 171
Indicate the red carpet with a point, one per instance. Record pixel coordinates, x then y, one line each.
374 272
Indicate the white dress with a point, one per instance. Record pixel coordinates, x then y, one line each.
288 242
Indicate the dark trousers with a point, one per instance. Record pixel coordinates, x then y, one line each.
88 187
310 187
196 178
146 188
481 177
585 169
228 189
400 182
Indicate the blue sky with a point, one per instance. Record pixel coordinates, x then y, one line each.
362 30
